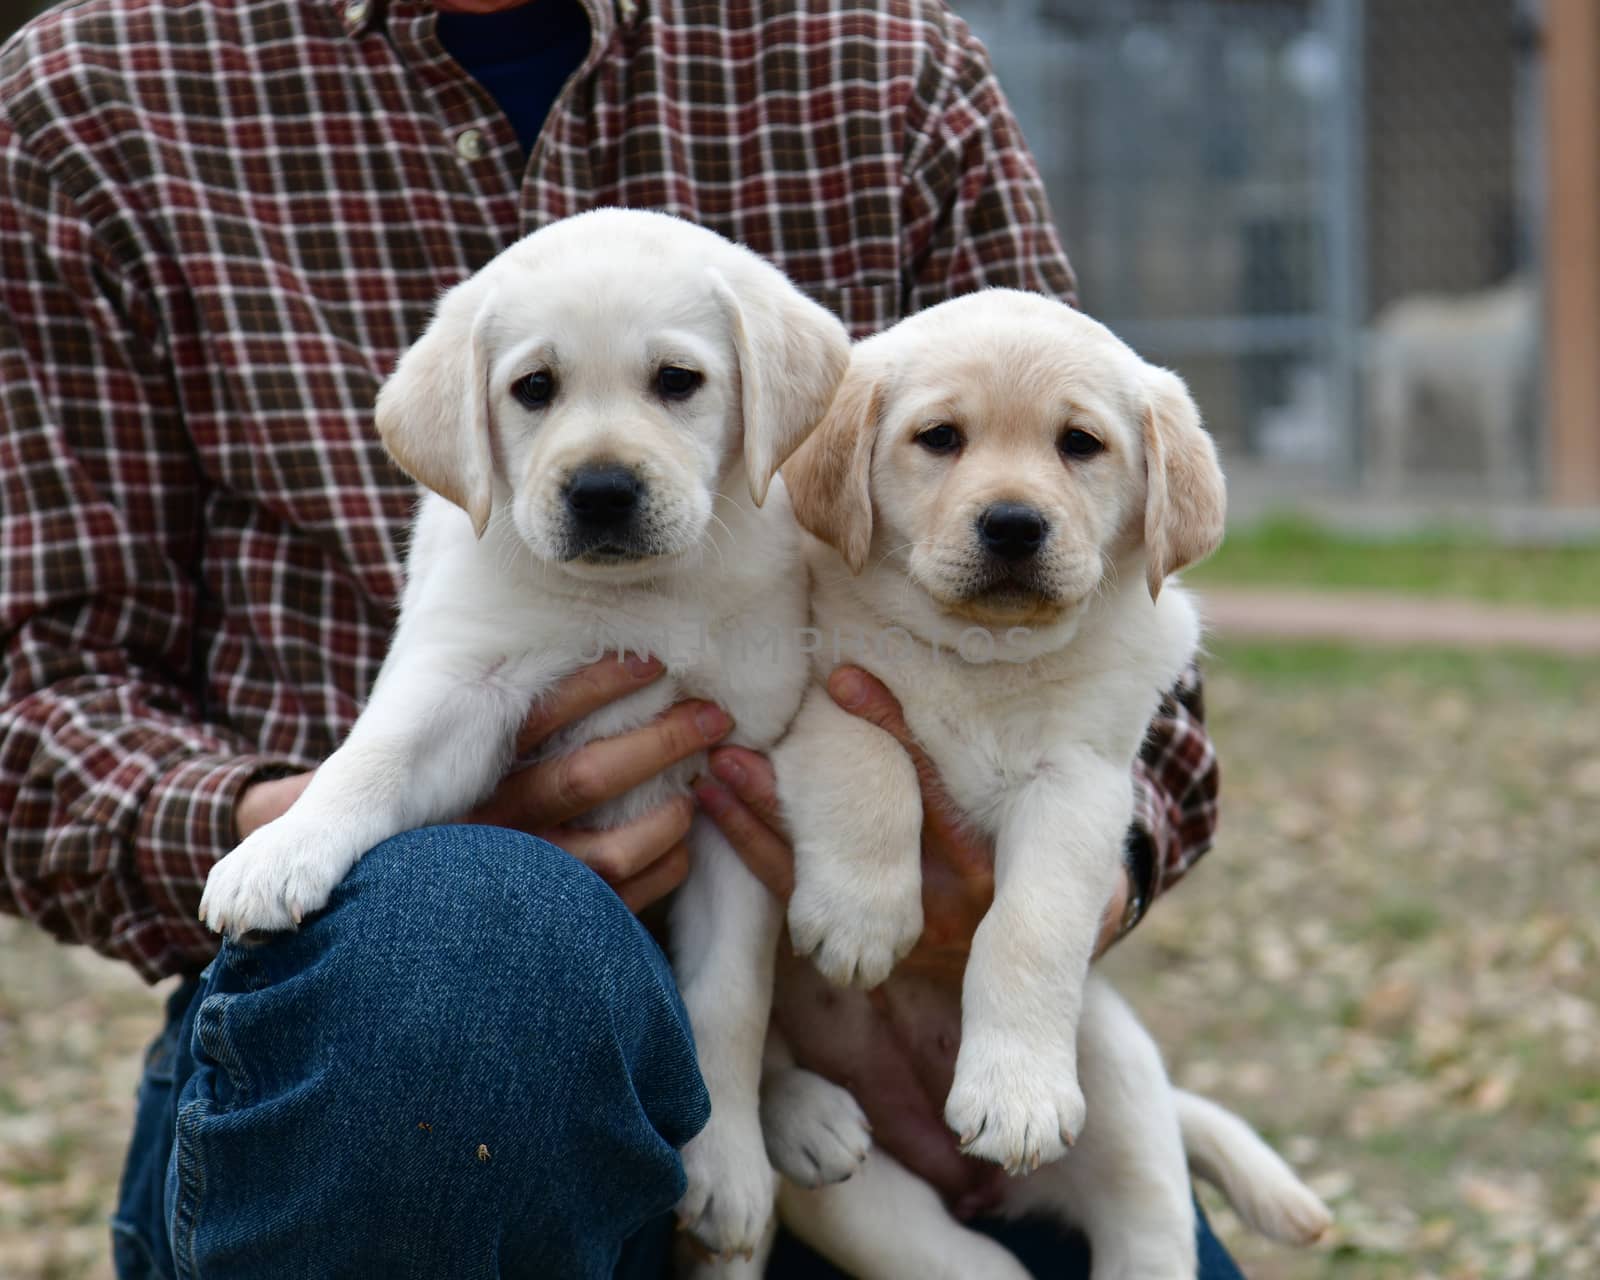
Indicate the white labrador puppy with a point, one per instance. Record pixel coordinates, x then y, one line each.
599 413
1125 1184
998 495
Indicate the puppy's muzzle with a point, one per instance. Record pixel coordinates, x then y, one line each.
1012 531
604 502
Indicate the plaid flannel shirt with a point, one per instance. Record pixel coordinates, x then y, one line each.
221 223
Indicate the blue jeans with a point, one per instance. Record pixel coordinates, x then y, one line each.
473 1064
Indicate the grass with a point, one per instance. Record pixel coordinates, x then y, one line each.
1286 551
1387 964
1334 665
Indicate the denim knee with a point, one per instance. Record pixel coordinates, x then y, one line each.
474 1042
457 944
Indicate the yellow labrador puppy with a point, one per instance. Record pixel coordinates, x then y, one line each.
598 413
998 495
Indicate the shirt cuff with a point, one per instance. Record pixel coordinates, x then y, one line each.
186 825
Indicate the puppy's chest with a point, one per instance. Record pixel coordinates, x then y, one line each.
991 735
743 656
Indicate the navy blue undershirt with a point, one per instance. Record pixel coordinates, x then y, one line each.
522 56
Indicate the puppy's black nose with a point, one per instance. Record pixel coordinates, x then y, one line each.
603 496
1011 530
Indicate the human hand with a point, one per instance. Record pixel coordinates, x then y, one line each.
957 862
642 860
900 1061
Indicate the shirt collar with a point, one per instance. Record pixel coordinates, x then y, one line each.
358 17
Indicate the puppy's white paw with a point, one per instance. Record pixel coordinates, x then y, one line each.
855 930
816 1134
1289 1212
1175 1262
731 1188
277 876
1012 1104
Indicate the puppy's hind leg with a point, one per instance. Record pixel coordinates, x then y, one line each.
1125 1183
725 929
689 1260
887 1224
816 1132
1262 1189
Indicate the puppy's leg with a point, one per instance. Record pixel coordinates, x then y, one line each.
690 1263
1125 1183
1262 1189
1015 1098
850 793
816 1132
887 1224
432 740
725 928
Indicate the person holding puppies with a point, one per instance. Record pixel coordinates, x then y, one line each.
220 224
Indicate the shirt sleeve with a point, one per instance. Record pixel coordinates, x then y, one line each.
1175 780
978 217
976 214
115 796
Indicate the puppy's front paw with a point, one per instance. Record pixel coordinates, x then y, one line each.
731 1188
1012 1104
855 930
276 877
816 1134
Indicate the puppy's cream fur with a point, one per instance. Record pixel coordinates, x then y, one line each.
500 602
1124 1184
1030 685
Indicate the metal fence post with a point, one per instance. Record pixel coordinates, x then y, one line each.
1344 222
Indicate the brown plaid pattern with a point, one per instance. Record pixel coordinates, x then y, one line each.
220 224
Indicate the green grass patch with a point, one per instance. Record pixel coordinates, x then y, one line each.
1333 665
1421 1153
1403 919
1293 552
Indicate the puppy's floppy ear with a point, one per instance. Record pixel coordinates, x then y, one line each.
829 477
792 354
433 412
1185 503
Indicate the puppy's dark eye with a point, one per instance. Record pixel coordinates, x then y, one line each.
534 390
1080 444
940 438
675 383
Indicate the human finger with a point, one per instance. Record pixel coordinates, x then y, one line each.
762 849
863 694
657 880
1115 922
555 791
750 776
586 690
618 854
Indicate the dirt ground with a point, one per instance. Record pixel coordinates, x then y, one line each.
1389 964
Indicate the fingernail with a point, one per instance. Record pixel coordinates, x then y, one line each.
847 687
713 799
729 770
641 665
712 722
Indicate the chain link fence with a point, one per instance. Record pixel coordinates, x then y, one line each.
1320 211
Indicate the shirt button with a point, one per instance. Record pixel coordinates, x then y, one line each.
355 13
469 144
